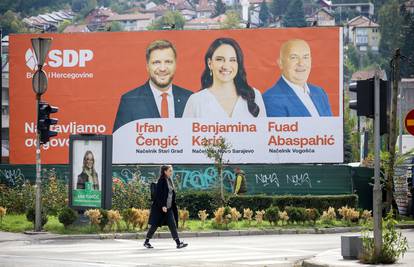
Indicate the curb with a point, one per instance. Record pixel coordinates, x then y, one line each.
185 234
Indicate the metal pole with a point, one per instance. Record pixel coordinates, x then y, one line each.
38 219
400 119
1 95
377 194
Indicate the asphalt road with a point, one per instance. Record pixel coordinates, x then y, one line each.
270 250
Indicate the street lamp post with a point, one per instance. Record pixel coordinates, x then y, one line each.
41 47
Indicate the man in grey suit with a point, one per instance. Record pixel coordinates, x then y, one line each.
158 97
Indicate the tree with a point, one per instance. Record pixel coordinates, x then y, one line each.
215 150
63 26
10 22
390 21
84 6
407 50
278 7
351 137
172 20
104 2
275 8
295 16
115 26
219 9
31 7
264 13
232 21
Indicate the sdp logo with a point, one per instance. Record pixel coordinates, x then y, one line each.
60 58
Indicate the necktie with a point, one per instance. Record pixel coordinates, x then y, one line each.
164 106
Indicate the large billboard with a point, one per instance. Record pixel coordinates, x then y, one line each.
274 94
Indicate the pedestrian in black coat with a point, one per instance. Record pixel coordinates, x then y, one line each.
164 209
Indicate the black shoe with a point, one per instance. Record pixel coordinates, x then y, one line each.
182 245
148 245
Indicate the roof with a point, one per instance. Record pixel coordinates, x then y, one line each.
253 2
204 6
324 9
184 5
76 28
47 18
362 21
137 16
326 2
217 19
366 74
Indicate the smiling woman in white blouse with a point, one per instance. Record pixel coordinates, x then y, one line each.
225 92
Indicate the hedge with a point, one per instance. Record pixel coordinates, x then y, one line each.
203 200
321 203
197 200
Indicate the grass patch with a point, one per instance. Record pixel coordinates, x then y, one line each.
16 223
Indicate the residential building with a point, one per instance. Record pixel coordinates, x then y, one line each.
322 17
363 7
158 10
254 9
186 9
363 33
132 22
48 22
204 9
96 19
312 6
76 28
409 6
407 96
205 23
5 99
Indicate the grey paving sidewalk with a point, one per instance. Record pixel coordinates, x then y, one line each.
7 236
333 258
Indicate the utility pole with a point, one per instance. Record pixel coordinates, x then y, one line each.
1 95
39 83
377 193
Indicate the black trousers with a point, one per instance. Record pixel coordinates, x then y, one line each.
171 225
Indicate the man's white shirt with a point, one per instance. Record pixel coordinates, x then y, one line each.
304 96
158 98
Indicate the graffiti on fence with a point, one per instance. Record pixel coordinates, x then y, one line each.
267 179
184 179
301 179
199 179
12 177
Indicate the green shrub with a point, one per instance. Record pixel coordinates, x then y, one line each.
67 216
128 216
321 203
16 199
205 200
272 214
312 215
197 200
104 219
133 194
394 244
296 214
31 216
54 195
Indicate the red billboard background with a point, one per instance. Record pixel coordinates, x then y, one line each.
118 65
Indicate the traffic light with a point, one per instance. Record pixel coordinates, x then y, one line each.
44 121
365 102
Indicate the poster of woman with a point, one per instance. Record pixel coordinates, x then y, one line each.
87 173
